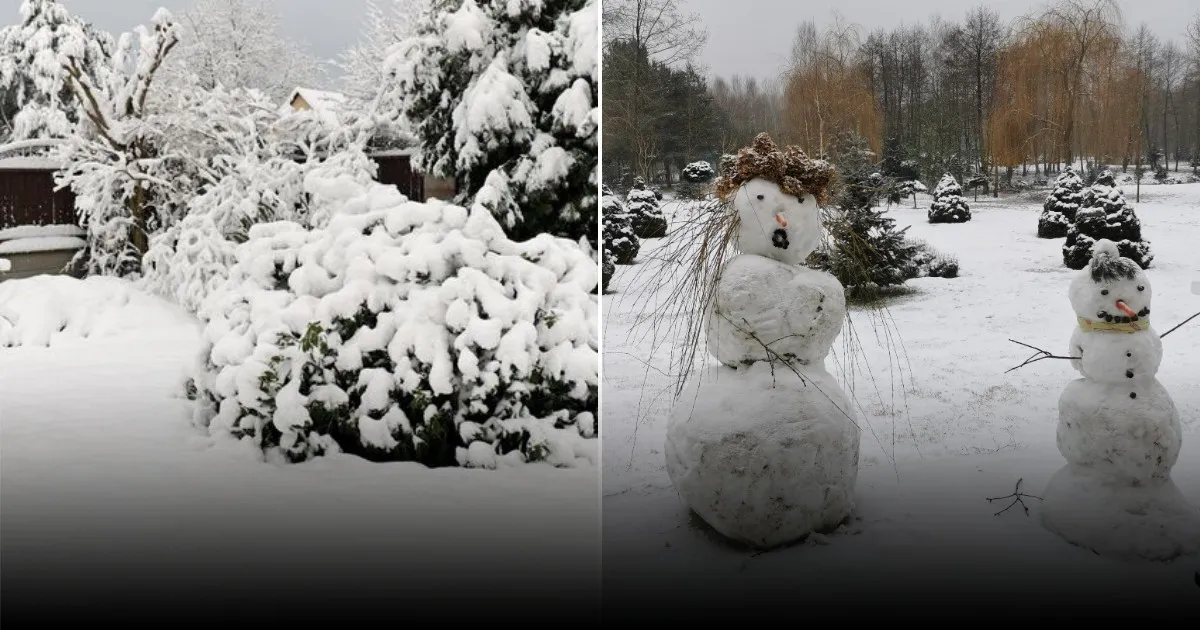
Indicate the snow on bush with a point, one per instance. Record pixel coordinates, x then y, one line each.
508 86
619 237
645 216
50 310
1105 214
32 79
5 265
1061 206
948 204
698 173
243 157
404 331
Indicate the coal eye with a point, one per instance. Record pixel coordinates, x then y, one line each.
1141 288
1104 292
800 198
760 197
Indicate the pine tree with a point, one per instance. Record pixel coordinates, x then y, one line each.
34 94
1105 214
619 237
866 250
1062 204
948 204
508 87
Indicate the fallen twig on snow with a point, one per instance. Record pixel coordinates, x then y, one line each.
1016 497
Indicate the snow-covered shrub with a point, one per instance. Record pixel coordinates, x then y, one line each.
1105 214
250 165
510 86
403 331
928 263
1062 204
948 204
621 244
645 216
698 173
33 96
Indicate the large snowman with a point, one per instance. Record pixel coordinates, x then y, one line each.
1118 428
764 447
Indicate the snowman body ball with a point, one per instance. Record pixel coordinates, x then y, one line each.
1118 428
764 447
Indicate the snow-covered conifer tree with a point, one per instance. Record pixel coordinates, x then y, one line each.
1061 206
948 205
1105 214
508 87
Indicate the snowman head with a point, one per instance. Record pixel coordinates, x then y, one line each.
1111 288
776 194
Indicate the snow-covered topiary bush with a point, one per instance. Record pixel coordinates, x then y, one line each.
948 204
619 237
698 173
1105 214
928 263
646 217
1062 204
403 331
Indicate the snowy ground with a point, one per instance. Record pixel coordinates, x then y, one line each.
937 441
107 488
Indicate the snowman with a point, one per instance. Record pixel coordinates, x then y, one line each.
1118 428
764 447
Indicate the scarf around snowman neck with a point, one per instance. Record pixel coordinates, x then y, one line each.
1091 325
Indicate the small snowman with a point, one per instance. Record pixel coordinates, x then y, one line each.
1118 427
764 447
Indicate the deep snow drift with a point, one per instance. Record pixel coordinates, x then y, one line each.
959 429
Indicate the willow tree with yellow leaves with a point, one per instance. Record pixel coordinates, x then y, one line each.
828 91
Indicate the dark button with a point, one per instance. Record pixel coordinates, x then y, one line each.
1133 394
1128 373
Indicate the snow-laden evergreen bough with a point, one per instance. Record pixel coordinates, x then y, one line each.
1061 206
403 331
948 205
1105 215
765 446
1118 428
504 94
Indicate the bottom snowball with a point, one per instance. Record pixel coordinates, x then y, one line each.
1153 522
762 457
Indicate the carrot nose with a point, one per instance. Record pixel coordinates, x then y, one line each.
780 220
1125 308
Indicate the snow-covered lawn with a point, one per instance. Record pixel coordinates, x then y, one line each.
107 486
938 439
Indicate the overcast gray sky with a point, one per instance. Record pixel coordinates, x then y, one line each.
324 27
753 37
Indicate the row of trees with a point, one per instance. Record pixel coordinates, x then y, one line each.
1066 83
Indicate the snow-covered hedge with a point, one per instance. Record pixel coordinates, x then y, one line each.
948 204
404 331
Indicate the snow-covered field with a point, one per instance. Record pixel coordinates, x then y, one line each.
107 486
945 428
